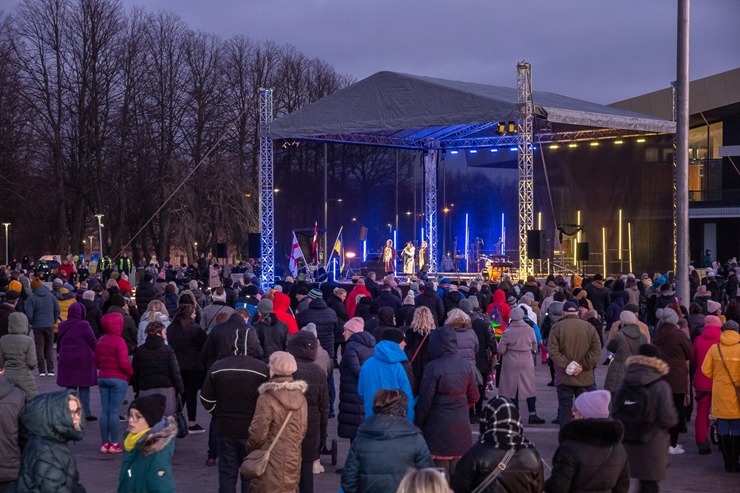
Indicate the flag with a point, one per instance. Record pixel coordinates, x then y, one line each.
295 254
315 243
339 249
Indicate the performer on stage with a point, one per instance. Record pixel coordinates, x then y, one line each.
408 258
422 256
389 254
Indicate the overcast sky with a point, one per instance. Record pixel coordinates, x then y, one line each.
598 50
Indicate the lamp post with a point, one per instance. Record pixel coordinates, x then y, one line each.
7 225
100 233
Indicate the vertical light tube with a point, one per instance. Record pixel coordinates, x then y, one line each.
395 245
629 244
364 250
603 242
620 234
503 234
467 242
578 237
539 220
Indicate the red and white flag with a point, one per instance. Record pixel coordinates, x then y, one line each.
295 254
315 243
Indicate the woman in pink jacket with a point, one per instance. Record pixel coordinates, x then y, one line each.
114 372
703 384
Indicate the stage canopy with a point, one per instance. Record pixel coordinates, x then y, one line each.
415 112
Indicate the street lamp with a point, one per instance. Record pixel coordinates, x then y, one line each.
7 225
100 233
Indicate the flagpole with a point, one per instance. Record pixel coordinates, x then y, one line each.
328 262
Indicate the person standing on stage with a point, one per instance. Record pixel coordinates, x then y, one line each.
408 258
389 255
422 255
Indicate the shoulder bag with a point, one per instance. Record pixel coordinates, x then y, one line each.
255 463
737 389
497 470
180 419
417 349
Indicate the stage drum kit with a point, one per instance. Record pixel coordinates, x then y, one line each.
494 266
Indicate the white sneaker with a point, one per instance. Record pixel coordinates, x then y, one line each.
677 450
42 374
317 467
51 374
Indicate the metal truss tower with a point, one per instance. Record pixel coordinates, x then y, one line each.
430 205
525 163
267 191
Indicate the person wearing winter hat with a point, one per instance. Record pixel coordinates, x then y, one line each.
517 344
710 336
714 308
272 333
148 446
281 401
360 346
315 294
621 345
675 349
590 455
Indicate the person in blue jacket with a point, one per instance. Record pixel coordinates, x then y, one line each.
385 370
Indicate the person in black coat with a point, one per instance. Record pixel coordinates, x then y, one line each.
370 468
273 333
186 338
501 430
590 456
406 313
231 294
92 312
220 341
303 345
145 292
360 346
447 390
328 330
429 299
336 302
371 285
389 298
485 357
156 369
386 320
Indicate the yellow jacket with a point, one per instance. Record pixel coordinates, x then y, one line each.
725 404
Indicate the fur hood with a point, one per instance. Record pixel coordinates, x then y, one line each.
596 432
276 384
286 391
159 436
643 370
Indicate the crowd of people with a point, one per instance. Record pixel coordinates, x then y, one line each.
419 364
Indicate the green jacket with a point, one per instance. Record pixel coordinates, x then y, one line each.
47 465
18 355
148 467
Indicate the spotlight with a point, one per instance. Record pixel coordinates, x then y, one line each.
640 141
494 150
453 152
593 144
618 142
572 145
554 146
512 127
473 151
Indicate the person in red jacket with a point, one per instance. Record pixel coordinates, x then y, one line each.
351 300
499 303
281 309
114 372
703 384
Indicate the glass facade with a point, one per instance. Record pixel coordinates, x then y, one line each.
705 165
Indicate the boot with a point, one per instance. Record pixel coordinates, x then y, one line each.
735 453
705 448
728 453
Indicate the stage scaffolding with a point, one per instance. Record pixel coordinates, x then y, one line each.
525 163
267 191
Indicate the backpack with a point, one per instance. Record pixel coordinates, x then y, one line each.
634 406
496 319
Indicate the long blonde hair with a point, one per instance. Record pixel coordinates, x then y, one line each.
427 480
458 319
423 321
153 308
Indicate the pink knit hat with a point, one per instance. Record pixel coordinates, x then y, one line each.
712 321
355 325
594 404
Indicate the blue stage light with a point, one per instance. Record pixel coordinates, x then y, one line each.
494 150
453 152
473 151
512 149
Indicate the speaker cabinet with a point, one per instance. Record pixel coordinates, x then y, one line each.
255 245
582 251
536 244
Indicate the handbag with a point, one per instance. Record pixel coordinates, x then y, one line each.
496 471
182 422
737 389
255 463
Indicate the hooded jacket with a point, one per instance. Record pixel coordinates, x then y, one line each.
447 389
499 300
370 468
709 337
47 465
277 398
625 343
220 342
303 346
148 467
384 370
351 301
155 366
590 458
359 348
18 355
725 404
111 354
76 350
42 308
328 329
272 333
281 309
12 400
648 461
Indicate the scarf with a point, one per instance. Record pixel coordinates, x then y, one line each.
502 425
132 439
